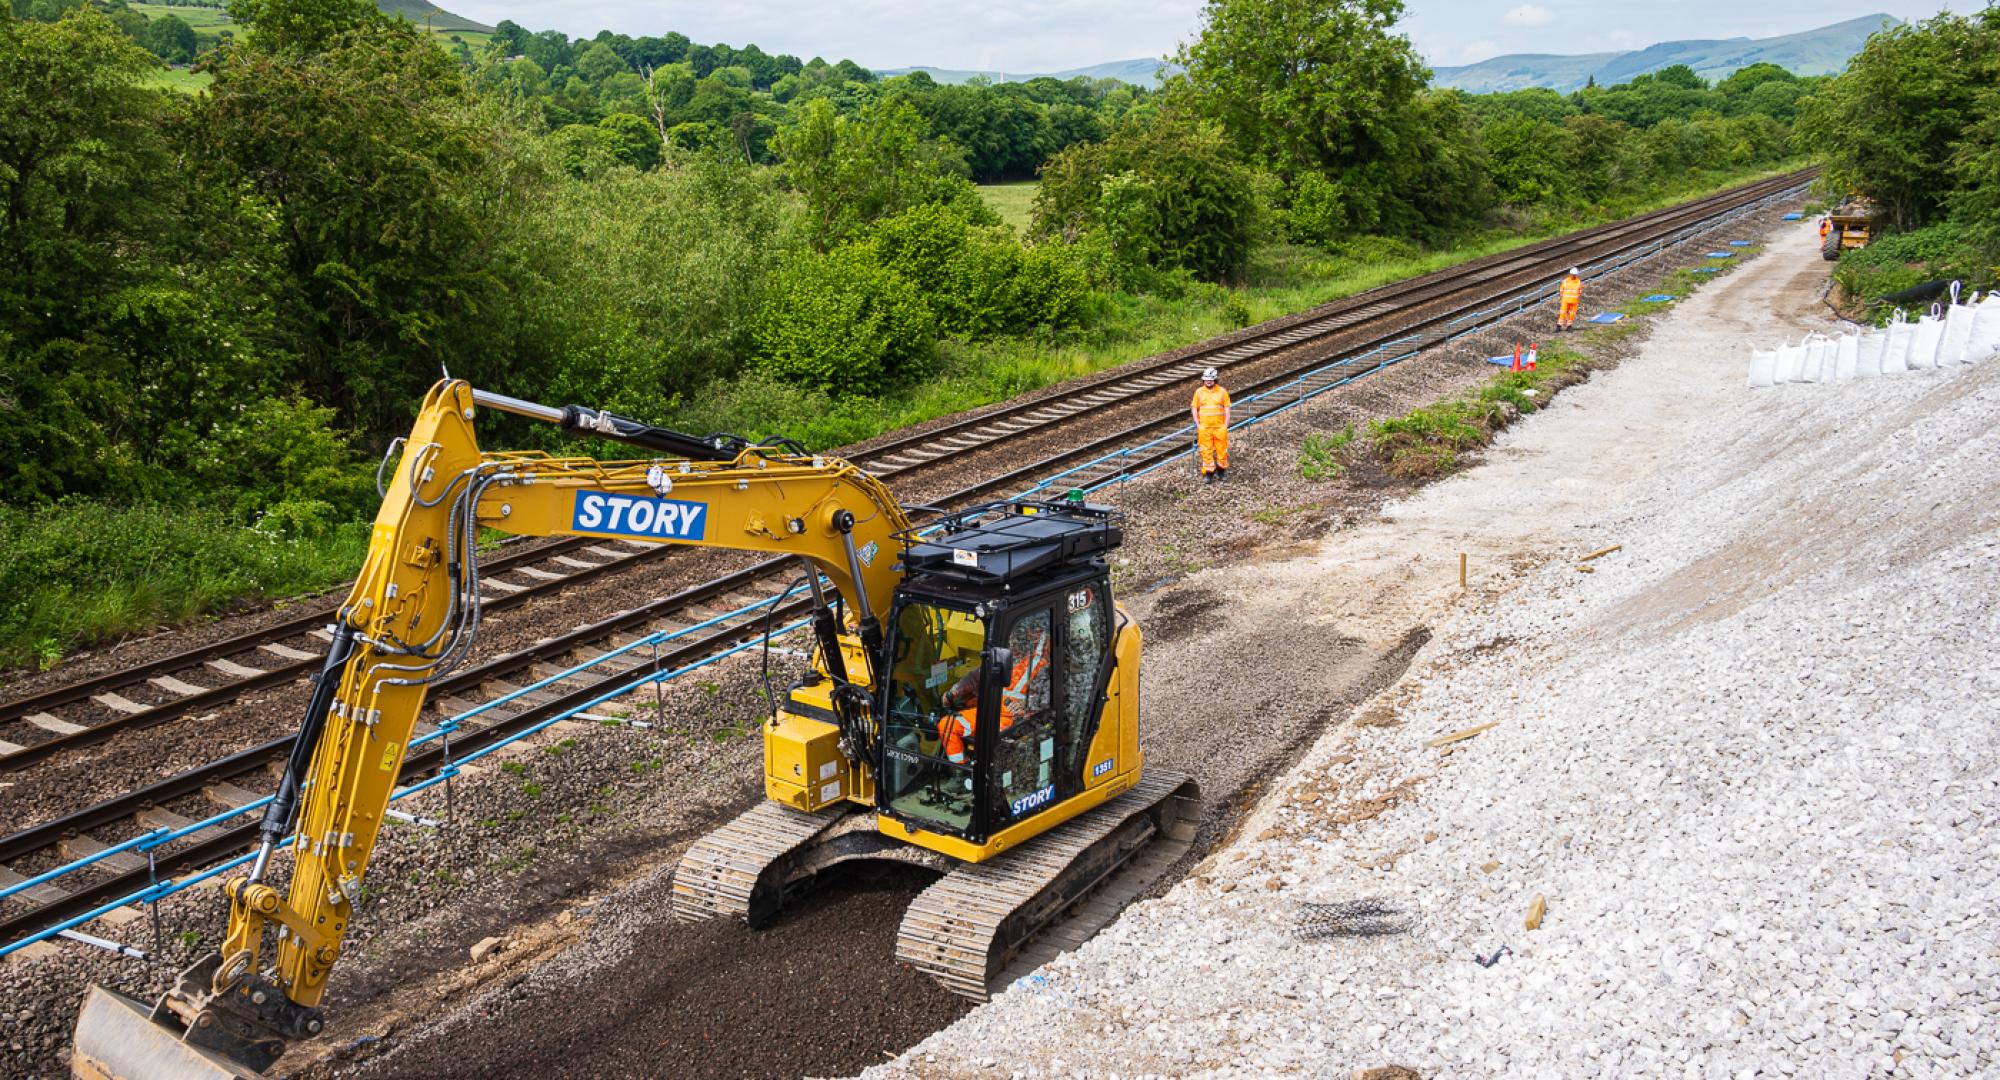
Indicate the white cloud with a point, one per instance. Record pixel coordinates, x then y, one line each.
1619 37
1473 52
1529 15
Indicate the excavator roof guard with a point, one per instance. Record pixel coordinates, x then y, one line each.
1005 543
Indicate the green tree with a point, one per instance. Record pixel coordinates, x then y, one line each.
170 38
135 313
1529 159
300 27
1975 164
1169 193
1305 85
1889 126
634 141
843 323
640 287
391 193
599 63
856 171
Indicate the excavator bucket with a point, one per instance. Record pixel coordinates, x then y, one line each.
117 1039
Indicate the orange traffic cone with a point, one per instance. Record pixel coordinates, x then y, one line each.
1517 357
1531 356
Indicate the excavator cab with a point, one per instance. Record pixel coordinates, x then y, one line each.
1001 646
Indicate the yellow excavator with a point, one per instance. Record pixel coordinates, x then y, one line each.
972 705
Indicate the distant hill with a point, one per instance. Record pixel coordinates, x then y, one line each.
1143 72
431 15
1815 52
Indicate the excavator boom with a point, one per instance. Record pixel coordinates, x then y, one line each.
412 616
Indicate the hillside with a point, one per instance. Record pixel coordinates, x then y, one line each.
431 15
1814 52
210 22
1141 72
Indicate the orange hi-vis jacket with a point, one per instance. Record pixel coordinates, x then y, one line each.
955 730
1572 291
1211 406
1825 226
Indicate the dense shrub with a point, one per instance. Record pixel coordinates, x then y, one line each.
1168 193
980 282
843 323
1900 260
284 456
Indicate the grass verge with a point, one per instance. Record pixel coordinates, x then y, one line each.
1431 441
84 572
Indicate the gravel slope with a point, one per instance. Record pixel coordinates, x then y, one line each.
1746 763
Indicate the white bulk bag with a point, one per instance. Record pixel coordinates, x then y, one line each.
1957 335
1816 350
1896 355
1762 362
1845 355
1924 343
1868 358
1791 358
1985 331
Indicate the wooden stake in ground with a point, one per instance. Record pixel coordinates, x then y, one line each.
1600 554
1537 907
1455 736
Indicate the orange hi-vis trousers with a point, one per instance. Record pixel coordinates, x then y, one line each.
1214 442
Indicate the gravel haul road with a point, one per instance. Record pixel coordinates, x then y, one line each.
1740 772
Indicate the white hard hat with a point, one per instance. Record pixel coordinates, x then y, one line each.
1208 375
1574 272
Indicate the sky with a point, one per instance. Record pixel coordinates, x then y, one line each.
1054 35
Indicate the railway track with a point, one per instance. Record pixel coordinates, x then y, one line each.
479 707
46 724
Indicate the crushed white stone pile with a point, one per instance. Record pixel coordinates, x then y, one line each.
1749 764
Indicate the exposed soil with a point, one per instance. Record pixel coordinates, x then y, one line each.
710 1001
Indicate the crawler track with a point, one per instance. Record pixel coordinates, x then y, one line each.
512 693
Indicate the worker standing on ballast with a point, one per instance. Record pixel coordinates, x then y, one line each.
1211 425
1572 295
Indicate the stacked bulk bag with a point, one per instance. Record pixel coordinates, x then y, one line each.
1985 339
1896 354
1958 333
1847 357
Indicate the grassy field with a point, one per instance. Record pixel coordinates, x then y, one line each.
187 82
209 22
1014 202
208 19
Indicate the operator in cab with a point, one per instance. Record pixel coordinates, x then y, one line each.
1031 665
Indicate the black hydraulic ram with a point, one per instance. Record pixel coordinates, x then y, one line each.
578 420
277 819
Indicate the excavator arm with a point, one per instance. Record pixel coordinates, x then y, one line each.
413 615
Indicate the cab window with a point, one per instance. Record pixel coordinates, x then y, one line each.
932 703
1024 768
